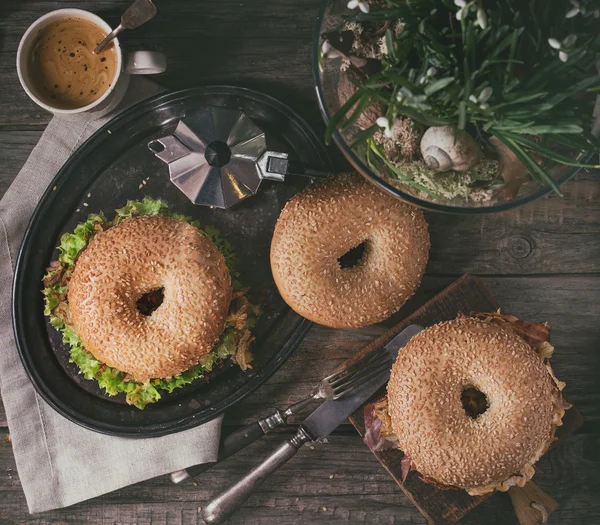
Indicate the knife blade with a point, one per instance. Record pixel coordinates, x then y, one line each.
246 435
317 425
331 414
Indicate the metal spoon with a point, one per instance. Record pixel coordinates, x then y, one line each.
138 13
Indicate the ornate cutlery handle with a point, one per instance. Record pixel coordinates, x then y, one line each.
224 505
233 443
244 436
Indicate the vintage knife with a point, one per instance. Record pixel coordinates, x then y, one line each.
242 437
318 425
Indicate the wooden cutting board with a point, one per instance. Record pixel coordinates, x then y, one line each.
441 507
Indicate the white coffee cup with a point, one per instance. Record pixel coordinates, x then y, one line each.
135 63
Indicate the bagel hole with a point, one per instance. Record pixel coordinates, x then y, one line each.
353 256
150 301
474 402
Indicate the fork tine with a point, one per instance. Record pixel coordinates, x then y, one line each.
340 383
373 360
336 382
344 379
361 362
347 387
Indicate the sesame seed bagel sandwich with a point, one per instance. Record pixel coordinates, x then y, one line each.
473 403
148 302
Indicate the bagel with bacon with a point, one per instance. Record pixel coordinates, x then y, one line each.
473 403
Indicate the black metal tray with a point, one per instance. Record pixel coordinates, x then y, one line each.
114 165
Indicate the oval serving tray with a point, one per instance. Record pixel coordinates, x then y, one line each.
115 165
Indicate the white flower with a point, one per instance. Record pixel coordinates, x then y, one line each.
554 43
384 123
328 51
361 4
465 7
572 12
564 46
429 74
403 95
485 94
482 18
483 98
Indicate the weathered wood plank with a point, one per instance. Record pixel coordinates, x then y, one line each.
304 492
540 238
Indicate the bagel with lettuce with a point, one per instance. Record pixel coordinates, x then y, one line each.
148 302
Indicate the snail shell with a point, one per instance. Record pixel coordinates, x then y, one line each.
444 148
437 159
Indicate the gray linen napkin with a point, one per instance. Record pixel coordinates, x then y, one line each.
56 459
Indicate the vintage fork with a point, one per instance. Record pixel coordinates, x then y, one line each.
333 386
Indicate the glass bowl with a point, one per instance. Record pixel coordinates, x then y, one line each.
327 74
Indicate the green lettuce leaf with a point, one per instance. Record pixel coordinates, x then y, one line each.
51 297
147 206
140 394
72 243
111 380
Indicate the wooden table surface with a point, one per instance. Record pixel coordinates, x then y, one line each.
542 262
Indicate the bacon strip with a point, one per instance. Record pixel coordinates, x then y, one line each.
378 438
374 437
55 272
381 411
536 334
405 466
